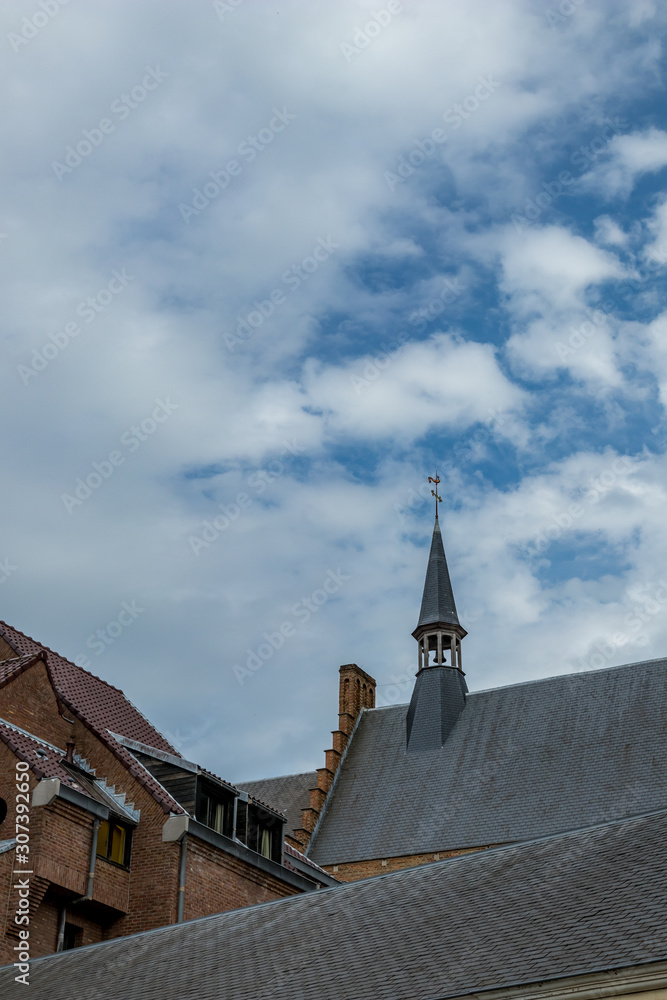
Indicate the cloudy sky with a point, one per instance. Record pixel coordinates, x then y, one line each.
266 267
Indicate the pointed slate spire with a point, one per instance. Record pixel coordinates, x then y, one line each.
438 597
440 691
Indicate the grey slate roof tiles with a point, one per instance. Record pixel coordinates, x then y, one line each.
438 597
577 903
289 794
521 762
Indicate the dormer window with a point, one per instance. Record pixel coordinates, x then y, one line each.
215 808
260 830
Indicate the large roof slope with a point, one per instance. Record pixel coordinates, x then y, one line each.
521 762
582 902
289 794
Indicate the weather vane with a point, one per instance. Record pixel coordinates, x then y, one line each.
434 492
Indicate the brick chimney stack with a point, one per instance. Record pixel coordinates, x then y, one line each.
356 691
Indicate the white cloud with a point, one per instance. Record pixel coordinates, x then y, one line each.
444 381
323 175
629 157
608 232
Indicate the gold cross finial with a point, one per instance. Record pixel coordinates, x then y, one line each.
434 492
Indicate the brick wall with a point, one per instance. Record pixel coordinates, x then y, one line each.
125 902
215 881
352 871
30 702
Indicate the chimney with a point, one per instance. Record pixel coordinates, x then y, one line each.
69 756
356 691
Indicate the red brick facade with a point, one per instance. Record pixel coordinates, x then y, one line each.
124 900
352 871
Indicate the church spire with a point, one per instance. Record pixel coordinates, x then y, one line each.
439 695
438 597
438 629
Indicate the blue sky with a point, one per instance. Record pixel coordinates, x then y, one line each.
265 271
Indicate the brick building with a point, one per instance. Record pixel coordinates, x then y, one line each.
456 771
115 831
578 916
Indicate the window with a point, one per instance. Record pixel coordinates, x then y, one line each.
215 809
265 841
113 842
261 832
73 937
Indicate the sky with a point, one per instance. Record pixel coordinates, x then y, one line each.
266 271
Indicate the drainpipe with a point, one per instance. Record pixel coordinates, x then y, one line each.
181 879
93 856
61 928
91 876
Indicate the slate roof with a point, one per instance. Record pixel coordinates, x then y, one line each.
583 902
438 597
288 794
100 706
521 762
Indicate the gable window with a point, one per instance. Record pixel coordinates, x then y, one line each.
113 842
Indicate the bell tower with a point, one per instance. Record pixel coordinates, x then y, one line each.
440 690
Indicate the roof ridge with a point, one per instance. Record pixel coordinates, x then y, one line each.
277 777
60 656
571 673
88 673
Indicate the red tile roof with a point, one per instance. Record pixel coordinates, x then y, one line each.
45 760
100 706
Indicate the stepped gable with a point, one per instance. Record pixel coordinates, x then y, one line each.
103 708
45 759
